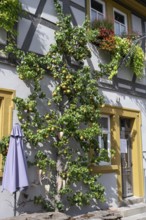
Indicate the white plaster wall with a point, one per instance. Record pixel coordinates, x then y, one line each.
111 194
79 15
49 12
42 39
6 204
81 2
23 27
143 79
125 73
10 80
98 56
30 5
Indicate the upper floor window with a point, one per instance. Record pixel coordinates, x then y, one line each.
120 22
97 10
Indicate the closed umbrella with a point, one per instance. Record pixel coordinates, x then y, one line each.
15 171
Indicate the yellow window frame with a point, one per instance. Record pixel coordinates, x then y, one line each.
6 113
109 6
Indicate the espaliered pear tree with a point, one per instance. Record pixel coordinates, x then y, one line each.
65 135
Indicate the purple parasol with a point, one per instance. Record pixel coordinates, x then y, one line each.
15 171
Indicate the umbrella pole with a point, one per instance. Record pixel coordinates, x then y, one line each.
14 203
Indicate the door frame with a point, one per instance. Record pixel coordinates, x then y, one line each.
126 157
115 113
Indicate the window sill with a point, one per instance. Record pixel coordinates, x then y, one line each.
104 169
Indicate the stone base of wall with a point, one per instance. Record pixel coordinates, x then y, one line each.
41 216
99 215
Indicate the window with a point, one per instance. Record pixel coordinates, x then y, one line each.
3 42
3 36
104 139
6 110
120 22
97 10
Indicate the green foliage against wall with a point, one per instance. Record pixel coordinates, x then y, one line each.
68 129
9 11
123 49
67 132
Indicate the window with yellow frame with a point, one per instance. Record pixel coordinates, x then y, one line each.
104 139
6 111
110 10
97 10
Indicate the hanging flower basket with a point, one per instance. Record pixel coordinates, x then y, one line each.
124 50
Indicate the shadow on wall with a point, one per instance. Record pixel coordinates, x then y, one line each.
5 69
39 186
25 200
126 101
99 54
30 6
110 197
111 184
42 39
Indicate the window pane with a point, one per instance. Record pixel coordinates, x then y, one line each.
3 36
117 28
104 147
97 6
93 15
103 123
104 141
100 16
123 29
119 17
